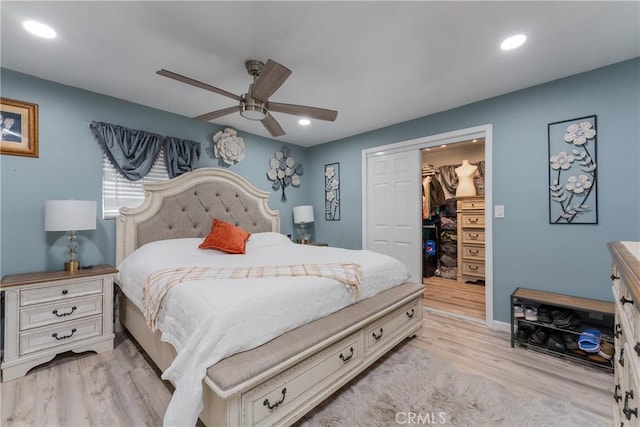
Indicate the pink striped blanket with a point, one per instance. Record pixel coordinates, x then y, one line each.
161 281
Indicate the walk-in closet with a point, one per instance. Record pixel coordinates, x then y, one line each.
453 209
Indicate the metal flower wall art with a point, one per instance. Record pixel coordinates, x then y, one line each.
572 171
228 146
332 192
283 171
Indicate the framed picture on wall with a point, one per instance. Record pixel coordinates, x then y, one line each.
19 127
332 192
573 192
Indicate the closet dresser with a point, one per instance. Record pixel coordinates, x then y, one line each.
470 212
625 274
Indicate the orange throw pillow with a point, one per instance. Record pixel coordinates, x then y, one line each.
226 237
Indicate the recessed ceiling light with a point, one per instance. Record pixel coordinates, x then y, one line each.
304 122
513 42
474 141
39 29
443 145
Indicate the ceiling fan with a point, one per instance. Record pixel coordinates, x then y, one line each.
255 104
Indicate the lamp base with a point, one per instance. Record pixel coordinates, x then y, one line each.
303 241
72 266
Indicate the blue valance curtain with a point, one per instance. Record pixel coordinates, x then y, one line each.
133 152
180 155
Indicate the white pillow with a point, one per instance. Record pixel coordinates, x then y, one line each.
268 239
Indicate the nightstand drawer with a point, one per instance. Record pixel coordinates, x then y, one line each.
58 335
471 204
60 292
47 314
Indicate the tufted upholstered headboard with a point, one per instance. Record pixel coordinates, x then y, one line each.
185 206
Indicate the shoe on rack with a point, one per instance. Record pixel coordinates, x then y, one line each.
606 350
538 337
544 315
531 312
562 318
518 311
555 342
523 333
589 340
570 341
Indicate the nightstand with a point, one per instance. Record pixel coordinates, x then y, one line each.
52 312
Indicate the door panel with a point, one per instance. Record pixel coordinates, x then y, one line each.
393 207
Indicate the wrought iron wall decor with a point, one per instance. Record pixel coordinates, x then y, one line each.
283 171
332 192
573 193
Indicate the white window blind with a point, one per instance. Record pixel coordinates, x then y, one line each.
118 192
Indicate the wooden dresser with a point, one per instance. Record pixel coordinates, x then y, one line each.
52 312
470 214
625 274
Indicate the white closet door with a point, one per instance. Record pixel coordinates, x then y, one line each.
394 207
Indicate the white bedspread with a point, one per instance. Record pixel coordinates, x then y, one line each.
209 320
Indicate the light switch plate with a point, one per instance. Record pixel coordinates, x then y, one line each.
498 211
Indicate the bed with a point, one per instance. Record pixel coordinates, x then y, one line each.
292 368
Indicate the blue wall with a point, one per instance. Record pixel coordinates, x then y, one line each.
527 251
70 167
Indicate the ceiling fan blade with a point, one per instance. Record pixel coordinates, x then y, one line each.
197 83
302 110
270 79
218 113
272 126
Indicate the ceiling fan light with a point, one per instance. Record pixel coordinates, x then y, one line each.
252 110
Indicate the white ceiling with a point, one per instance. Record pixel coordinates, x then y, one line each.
377 63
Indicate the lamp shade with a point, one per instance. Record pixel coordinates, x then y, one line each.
69 215
303 214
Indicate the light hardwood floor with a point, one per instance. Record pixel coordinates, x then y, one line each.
122 388
451 296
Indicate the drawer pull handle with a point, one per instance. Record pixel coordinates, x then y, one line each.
473 220
410 313
55 335
628 412
473 267
473 251
278 403
474 236
624 301
637 348
377 337
65 314
621 358
346 358
617 397
64 292
614 277
618 331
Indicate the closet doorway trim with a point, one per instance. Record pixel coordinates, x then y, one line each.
416 145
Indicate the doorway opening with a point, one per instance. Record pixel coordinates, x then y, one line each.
453 228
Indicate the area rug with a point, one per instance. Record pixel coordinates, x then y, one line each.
410 387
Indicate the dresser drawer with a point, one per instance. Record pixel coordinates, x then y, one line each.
472 220
472 236
47 314
275 395
60 292
59 335
472 268
471 204
379 332
474 253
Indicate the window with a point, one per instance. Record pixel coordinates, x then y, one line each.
118 192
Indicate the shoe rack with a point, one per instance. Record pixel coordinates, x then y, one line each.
589 313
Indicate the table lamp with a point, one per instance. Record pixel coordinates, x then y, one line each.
70 216
303 215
